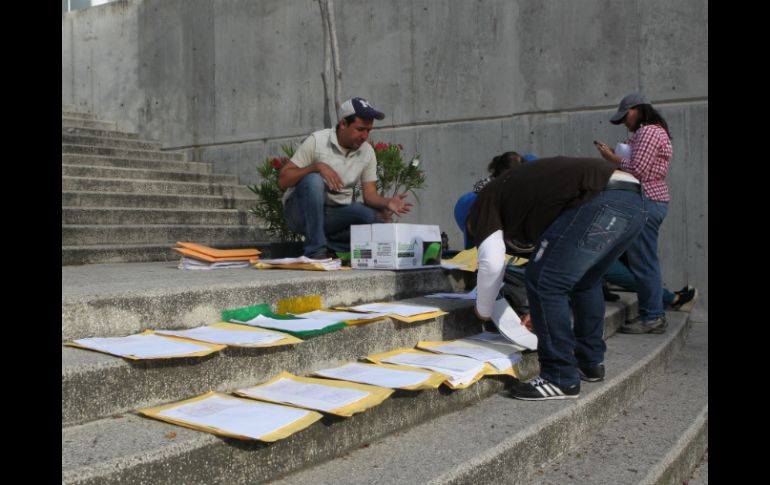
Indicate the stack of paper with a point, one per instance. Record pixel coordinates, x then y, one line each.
384 375
234 335
501 358
198 256
509 324
398 311
146 345
336 316
497 341
335 397
462 371
233 417
300 327
302 262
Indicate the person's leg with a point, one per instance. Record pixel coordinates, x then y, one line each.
586 238
644 264
337 222
618 274
304 212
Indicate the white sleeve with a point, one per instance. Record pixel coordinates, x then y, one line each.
305 155
491 270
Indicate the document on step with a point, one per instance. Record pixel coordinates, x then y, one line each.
293 325
146 345
396 309
229 334
501 360
235 417
509 324
377 375
461 370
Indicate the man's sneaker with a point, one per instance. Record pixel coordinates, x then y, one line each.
539 389
687 297
591 372
639 326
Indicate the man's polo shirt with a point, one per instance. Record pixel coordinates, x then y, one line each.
350 165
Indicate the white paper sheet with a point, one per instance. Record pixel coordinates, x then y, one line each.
471 295
142 346
376 376
509 324
461 370
477 350
495 339
238 416
225 336
306 395
338 316
294 325
396 309
191 263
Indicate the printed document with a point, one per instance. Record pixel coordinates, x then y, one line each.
395 309
375 375
143 346
294 325
313 396
225 336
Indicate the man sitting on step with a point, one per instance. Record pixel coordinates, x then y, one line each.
321 176
580 214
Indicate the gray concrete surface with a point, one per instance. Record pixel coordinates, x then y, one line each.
133 450
459 81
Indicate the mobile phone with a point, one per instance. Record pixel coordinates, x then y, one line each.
596 142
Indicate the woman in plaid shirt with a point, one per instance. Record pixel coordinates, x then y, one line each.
650 154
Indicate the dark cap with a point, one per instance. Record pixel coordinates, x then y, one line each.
626 104
359 107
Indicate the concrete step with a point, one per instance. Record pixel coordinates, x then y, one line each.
125 199
120 152
77 114
90 171
95 385
84 235
130 449
504 440
134 216
87 184
74 122
137 253
660 438
121 299
100 133
110 142
164 165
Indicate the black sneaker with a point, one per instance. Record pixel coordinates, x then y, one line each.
640 326
591 372
539 389
687 297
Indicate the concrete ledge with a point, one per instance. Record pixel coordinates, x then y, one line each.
130 216
171 166
137 253
81 235
100 133
128 449
111 300
83 123
153 187
109 142
155 201
119 152
91 171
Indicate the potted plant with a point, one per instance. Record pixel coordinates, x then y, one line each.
394 175
269 206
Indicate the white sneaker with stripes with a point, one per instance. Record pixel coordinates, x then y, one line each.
539 389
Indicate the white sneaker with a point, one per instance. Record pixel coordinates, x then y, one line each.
509 324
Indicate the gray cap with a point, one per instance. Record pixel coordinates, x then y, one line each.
627 103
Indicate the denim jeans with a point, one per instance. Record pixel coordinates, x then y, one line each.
323 226
566 268
620 275
644 263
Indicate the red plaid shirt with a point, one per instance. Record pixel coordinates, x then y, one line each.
650 153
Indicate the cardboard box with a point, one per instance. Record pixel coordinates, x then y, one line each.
394 246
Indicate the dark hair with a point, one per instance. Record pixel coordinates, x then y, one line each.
349 120
503 162
649 116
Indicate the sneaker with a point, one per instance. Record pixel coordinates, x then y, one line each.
653 326
591 372
687 297
539 389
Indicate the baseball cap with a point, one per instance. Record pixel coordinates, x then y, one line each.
359 107
627 103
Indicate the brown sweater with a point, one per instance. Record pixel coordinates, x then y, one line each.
526 199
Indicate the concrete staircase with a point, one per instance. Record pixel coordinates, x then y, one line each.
127 200
646 423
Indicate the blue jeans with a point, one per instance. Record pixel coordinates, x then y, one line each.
620 275
567 267
323 226
644 263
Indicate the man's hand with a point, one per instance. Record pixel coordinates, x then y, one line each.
397 205
384 215
330 177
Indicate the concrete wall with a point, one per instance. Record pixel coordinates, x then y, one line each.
459 80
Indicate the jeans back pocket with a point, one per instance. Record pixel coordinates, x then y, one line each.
607 226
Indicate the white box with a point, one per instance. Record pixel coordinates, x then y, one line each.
394 246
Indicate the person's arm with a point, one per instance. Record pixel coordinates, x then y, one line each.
607 153
491 258
372 199
303 163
